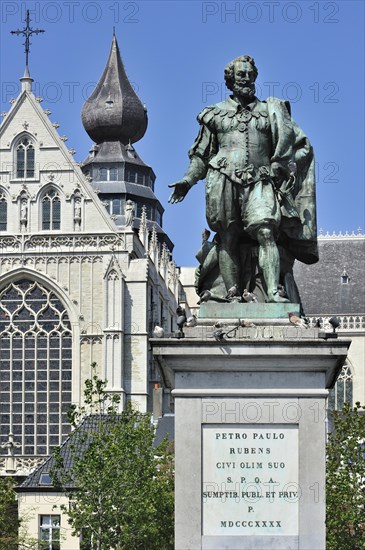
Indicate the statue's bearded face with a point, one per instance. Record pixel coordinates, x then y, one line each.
244 79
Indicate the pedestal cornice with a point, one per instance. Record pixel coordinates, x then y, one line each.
236 355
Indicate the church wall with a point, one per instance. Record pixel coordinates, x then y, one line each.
356 359
108 304
100 275
99 272
136 333
82 279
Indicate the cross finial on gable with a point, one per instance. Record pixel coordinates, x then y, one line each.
27 32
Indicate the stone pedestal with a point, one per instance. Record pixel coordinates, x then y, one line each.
250 435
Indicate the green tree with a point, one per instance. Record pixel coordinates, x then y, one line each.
345 484
13 533
9 523
120 486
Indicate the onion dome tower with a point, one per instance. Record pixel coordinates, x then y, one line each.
114 118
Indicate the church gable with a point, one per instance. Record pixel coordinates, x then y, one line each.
41 186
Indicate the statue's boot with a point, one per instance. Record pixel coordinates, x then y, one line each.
275 297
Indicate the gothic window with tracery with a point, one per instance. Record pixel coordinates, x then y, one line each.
342 392
51 210
25 157
36 361
3 213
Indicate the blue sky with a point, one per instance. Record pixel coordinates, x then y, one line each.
310 52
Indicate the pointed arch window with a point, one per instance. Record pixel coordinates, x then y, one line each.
51 210
25 159
36 367
3 213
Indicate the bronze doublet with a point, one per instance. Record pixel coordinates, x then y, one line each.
236 143
237 148
244 141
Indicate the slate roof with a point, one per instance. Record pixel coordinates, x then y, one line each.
80 442
125 187
114 151
114 118
165 426
321 286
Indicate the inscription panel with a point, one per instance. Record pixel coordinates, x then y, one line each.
250 479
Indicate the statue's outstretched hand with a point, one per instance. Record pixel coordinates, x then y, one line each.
181 188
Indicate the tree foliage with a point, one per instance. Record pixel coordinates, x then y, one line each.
119 485
345 485
13 532
9 523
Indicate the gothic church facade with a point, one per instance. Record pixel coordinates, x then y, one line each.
85 266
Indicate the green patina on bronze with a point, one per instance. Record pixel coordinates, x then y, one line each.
234 310
260 193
